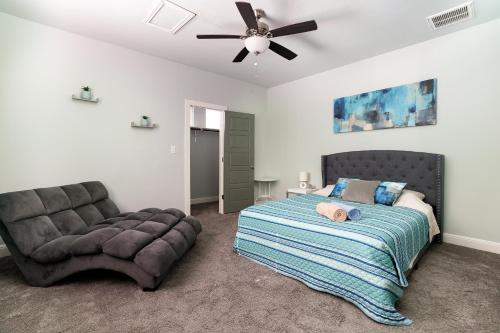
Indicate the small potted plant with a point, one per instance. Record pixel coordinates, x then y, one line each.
145 121
86 93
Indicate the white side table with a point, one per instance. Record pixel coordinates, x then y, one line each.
264 192
299 191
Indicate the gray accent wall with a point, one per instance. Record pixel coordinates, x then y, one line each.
204 164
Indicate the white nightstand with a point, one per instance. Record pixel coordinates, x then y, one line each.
299 191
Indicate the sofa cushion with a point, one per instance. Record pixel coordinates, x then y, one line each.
156 258
187 231
68 222
155 229
31 233
112 220
177 241
165 218
151 210
92 242
56 250
194 223
176 212
126 244
54 199
124 214
96 227
89 214
96 190
142 216
20 205
126 224
107 208
78 195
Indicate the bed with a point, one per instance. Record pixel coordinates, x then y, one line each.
365 262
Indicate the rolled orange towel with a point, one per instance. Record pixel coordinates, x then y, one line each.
331 211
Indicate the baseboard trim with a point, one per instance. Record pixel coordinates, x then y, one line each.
3 251
473 243
198 201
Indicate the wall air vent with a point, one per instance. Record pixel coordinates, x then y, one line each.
451 16
169 17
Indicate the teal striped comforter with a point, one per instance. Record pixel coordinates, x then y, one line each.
363 261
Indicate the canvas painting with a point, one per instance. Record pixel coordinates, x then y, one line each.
402 106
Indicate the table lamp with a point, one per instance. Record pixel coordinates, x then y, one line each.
304 179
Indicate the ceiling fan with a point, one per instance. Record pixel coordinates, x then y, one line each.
257 37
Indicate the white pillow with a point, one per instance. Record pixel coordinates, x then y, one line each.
411 200
325 191
406 193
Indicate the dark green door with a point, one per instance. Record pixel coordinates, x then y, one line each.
238 161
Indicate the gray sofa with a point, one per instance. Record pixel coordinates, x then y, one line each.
57 231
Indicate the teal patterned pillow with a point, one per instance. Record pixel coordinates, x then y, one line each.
340 187
388 192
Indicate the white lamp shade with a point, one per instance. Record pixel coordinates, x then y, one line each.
304 176
257 44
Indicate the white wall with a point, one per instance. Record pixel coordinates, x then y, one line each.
467 66
47 139
204 164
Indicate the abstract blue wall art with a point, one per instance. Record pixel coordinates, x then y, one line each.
402 106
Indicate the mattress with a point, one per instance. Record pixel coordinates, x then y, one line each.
362 262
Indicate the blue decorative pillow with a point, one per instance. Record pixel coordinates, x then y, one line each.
340 187
388 192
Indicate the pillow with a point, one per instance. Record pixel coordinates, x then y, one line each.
407 193
388 192
339 188
361 191
325 191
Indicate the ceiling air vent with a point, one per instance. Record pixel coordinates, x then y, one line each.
451 16
169 17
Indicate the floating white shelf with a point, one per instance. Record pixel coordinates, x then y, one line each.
92 100
133 124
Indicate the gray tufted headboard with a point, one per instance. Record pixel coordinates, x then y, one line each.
424 172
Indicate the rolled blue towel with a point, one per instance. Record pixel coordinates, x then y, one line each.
353 213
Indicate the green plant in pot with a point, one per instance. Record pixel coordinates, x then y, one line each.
145 121
86 93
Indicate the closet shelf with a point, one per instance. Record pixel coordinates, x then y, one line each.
204 129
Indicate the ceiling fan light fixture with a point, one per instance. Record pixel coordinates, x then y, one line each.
257 36
257 44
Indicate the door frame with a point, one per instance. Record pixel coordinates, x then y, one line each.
187 151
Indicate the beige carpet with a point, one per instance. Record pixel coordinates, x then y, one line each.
212 289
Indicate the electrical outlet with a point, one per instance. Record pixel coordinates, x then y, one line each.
173 149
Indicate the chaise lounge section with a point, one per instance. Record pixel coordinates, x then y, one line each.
58 231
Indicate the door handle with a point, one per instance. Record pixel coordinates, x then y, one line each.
251 167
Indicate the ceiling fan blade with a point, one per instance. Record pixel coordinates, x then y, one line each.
218 36
282 51
296 28
243 53
248 14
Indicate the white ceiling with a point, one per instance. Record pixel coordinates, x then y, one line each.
349 30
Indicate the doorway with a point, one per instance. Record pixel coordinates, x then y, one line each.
204 148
